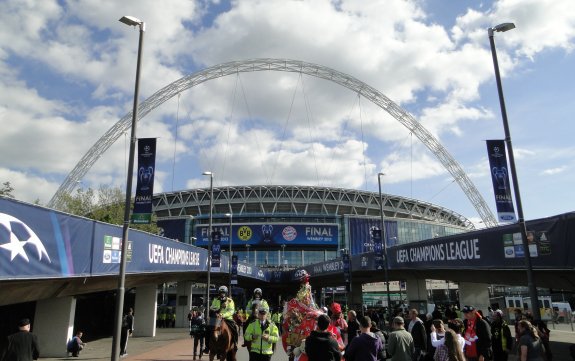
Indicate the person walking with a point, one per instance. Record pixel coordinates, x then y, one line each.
417 330
22 345
197 331
477 336
127 329
252 308
263 336
449 350
530 346
75 345
501 339
367 346
352 326
400 345
320 345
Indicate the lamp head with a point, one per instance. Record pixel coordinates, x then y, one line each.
132 21
501 28
208 173
228 214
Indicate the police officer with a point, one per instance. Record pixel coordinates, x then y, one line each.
263 335
224 306
254 304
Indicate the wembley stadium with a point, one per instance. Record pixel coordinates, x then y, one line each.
292 226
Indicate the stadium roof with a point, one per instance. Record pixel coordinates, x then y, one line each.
299 201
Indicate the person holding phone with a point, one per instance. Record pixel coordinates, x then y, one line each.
263 335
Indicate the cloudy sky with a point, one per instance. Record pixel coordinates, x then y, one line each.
67 71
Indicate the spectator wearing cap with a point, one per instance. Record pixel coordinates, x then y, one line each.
263 335
477 335
400 346
22 345
501 340
337 319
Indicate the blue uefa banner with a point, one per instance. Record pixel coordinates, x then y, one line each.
500 179
216 249
234 270
142 213
37 242
378 247
346 267
173 229
360 237
273 234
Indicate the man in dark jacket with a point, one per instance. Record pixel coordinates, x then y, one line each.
367 346
417 330
22 345
352 326
477 335
320 344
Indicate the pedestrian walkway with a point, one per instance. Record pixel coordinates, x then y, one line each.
171 344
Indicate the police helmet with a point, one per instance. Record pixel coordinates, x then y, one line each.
263 309
223 289
258 290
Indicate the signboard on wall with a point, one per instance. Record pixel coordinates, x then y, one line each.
273 234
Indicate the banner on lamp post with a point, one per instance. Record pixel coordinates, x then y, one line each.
216 249
377 247
142 213
500 178
234 270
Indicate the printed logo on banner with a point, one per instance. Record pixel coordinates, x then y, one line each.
113 250
289 233
500 180
19 237
245 233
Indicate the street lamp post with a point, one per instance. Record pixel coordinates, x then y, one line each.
248 253
119 310
383 239
521 221
230 215
283 258
211 175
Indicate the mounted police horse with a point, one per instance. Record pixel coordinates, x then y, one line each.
221 341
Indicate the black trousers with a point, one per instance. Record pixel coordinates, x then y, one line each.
254 356
123 340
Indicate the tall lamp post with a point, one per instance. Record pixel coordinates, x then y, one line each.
230 215
521 221
384 240
119 310
211 175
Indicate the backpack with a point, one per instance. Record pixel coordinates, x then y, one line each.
125 323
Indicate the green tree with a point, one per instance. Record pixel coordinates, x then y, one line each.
6 190
104 205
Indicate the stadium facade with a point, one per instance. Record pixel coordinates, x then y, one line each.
292 226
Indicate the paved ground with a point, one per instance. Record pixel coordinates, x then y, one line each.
175 344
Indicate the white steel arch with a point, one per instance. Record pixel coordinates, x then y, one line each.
285 65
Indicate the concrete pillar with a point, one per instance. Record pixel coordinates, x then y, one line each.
355 297
54 325
183 303
145 311
474 294
417 294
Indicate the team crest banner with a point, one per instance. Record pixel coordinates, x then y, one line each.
500 179
216 249
145 186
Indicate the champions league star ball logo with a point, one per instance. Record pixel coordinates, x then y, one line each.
15 236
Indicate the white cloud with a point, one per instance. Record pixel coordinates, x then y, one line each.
553 171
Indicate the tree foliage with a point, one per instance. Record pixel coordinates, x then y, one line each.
104 205
7 190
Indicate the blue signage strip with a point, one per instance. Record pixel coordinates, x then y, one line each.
234 270
500 179
142 213
346 267
270 234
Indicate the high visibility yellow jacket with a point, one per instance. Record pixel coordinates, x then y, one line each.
254 334
226 308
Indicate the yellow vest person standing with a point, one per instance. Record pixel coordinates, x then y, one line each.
263 335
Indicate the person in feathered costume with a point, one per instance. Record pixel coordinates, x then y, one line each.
300 318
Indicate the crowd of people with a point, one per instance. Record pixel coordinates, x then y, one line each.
344 335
